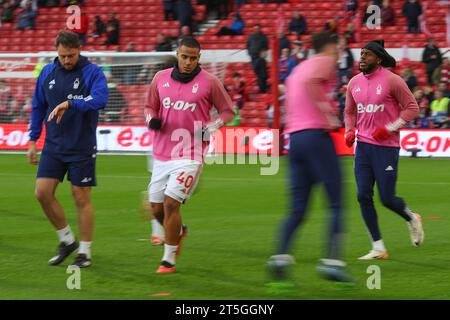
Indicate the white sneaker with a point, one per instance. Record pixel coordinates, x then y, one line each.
375 254
416 230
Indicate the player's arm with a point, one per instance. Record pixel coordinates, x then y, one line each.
96 100
408 104
152 105
350 116
98 96
38 110
222 102
315 86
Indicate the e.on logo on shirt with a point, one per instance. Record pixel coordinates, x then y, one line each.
179 105
370 108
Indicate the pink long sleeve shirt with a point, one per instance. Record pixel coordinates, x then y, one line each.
308 91
378 100
184 109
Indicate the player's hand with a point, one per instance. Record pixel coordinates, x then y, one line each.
381 134
210 127
32 159
58 112
350 138
154 123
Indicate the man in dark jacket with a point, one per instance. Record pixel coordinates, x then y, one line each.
256 43
163 43
412 10
432 57
68 96
297 25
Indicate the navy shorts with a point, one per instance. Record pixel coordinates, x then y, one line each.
80 173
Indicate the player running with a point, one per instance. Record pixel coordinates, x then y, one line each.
178 109
378 104
312 157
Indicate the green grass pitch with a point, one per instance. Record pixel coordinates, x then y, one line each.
233 218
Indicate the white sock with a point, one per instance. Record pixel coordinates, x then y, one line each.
378 245
169 253
410 213
157 229
65 235
85 247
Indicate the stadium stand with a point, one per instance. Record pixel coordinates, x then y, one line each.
142 20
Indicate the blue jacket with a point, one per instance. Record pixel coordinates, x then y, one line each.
74 138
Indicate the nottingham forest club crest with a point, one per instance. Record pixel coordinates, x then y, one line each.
195 88
76 83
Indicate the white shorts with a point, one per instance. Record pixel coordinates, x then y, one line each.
174 178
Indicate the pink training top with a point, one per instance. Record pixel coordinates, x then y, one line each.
184 109
308 91
377 100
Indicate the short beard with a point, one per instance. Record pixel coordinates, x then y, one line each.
369 68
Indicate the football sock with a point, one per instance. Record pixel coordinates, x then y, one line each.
65 235
85 247
157 229
410 213
378 245
169 253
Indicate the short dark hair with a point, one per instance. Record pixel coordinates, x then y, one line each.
320 39
190 42
67 39
236 75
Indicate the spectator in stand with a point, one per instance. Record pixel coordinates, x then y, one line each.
341 95
297 25
99 27
185 32
185 13
349 33
256 43
170 10
163 43
352 7
26 17
300 52
283 41
113 30
345 59
7 14
412 9
237 91
387 14
116 108
432 57
83 29
235 28
422 120
439 110
410 78
286 64
260 69
332 26
443 86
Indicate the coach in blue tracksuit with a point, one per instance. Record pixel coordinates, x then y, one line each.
69 93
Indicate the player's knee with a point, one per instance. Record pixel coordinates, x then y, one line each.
43 195
171 206
365 199
81 196
157 209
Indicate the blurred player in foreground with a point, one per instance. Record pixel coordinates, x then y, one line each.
69 92
378 104
312 157
178 109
